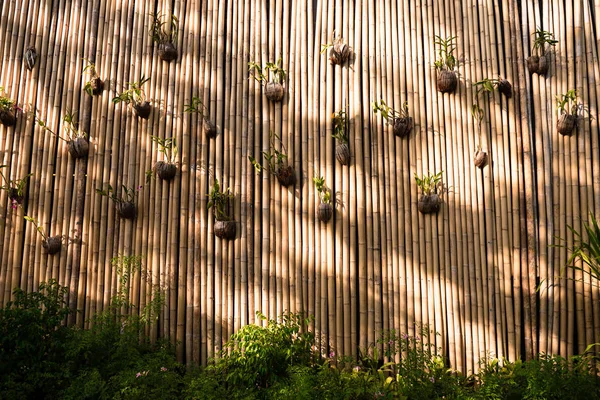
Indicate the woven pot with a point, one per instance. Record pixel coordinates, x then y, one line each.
274 91
52 244
447 81
13 195
126 210
225 229
429 204
480 159
8 118
286 175
97 86
78 147
165 170
342 153
340 53
209 128
566 124
505 88
402 126
167 51
324 212
142 110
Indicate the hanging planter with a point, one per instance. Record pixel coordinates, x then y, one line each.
78 147
340 133
30 57
276 162
480 158
220 202
52 244
126 210
8 109
94 86
447 79
136 98
489 85
340 52
165 170
571 110
430 201
401 121
272 79
325 208
14 188
76 140
539 63
125 203
165 35
209 127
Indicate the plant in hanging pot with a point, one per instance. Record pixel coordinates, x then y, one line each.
401 122
8 109
136 98
340 51
76 140
51 244
340 133
539 62
94 85
15 188
125 203
570 110
488 85
430 200
480 158
209 127
165 35
272 78
276 162
165 170
221 202
325 210
447 79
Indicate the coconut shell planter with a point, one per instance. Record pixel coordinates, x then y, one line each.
286 176
402 126
52 244
274 91
566 124
429 204
126 210
339 53
142 110
97 86
538 65
325 212
342 153
165 171
78 147
505 88
167 51
210 129
480 159
225 229
447 81
8 118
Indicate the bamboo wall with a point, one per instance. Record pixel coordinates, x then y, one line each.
470 272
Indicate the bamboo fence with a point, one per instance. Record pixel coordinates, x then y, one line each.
486 273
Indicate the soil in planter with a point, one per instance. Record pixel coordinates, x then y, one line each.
340 53
505 88
274 91
97 86
538 65
429 204
325 212
342 153
52 244
165 171
78 147
142 110
8 118
209 128
447 81
225 229
566 124
13 195
126 210
167 51
403 126
480 159
286 175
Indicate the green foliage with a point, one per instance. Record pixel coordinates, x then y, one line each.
6 103
324 192
135 95
162 31
70 125
486 85
587 248
196 106
429 184
543 39
446 59
274 158
37 226
272 72
15 185
128 194
219 201
90 71
570 103
167 146
340 126
388 113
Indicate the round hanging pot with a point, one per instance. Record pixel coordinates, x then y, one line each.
447 81
505 88
342 153
429 204
225 229
480 159
274 91
13 195
402 126
533 64
126 210
340 53
286 175
566 124
165 170
209 128
167 51
324 212
52 244
97 86
544 65
8 118
78 147
142 110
